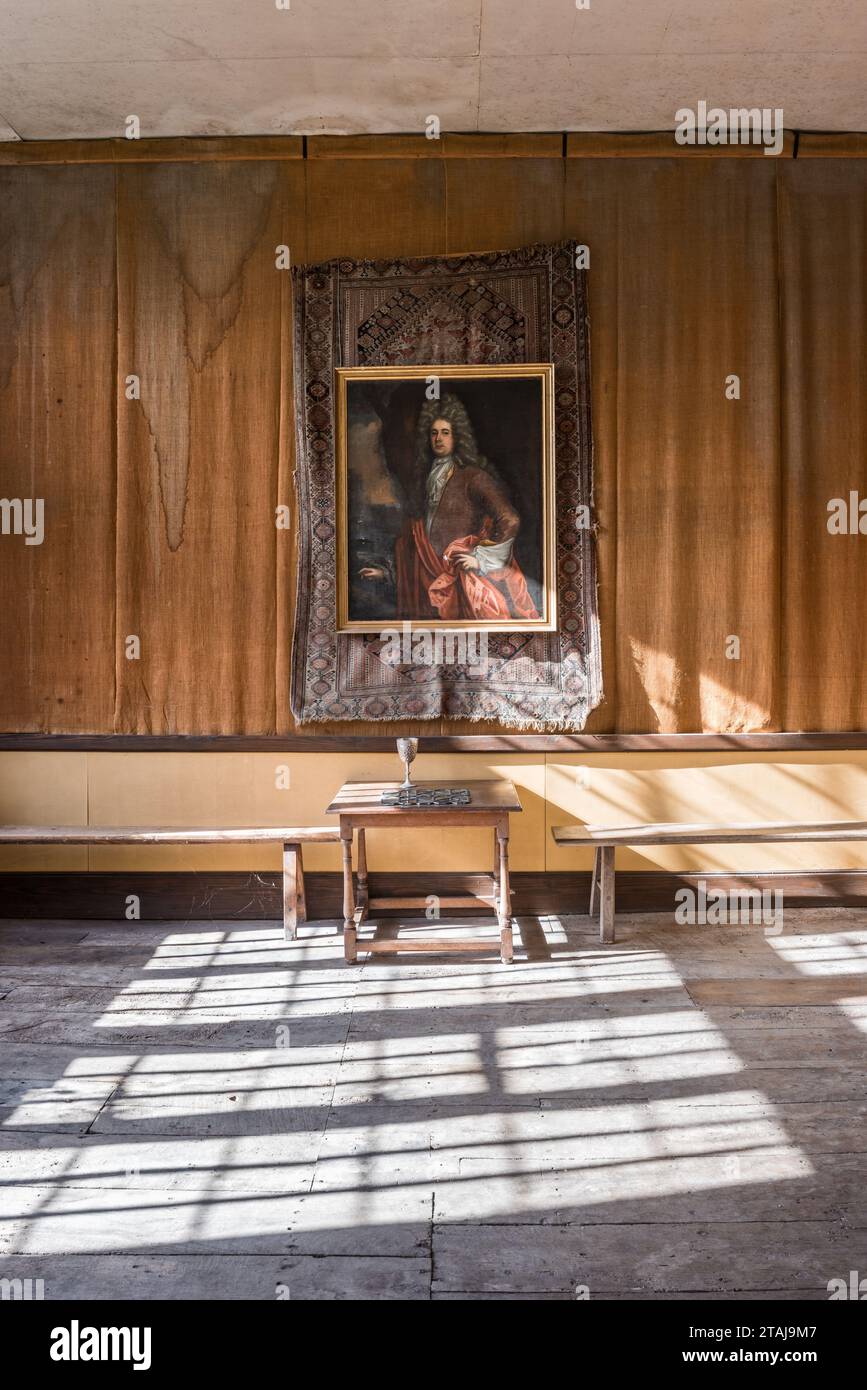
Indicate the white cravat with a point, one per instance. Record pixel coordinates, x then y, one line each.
437 478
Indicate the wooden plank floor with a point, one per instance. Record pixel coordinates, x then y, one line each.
204 1112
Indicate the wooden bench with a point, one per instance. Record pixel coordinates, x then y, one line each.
605 840
292 839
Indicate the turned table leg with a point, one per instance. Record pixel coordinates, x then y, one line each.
349 941
504 912
362 872
606 895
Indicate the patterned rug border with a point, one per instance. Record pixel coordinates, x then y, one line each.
322 664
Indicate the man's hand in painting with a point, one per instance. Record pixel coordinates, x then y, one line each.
466 560
371 572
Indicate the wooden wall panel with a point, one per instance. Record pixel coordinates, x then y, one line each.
57 292
201 324
158 150
823 231
684 293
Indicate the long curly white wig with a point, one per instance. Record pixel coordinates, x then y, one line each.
450 408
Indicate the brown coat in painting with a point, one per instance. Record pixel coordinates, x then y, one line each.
473 510
473 503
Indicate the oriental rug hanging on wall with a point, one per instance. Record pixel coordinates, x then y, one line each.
437 511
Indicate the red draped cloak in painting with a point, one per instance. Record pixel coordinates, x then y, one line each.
473 511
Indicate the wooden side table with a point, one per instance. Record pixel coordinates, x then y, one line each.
359 805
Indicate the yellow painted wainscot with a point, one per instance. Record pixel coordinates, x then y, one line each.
178 789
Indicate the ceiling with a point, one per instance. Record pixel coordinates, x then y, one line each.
74 68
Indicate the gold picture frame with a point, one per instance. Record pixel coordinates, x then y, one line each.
397 507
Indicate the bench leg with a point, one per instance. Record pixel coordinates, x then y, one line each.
595 879
294 900
606 894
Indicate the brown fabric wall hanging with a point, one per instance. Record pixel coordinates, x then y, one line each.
507 307
159 513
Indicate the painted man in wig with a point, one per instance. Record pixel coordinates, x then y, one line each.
456 562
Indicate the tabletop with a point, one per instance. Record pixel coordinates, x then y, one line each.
496 794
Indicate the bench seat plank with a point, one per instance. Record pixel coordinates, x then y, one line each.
681 833
605 838
144 835
292 837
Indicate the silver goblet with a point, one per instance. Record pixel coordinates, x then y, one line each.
407 748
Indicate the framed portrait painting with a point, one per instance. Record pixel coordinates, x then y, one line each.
445 498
